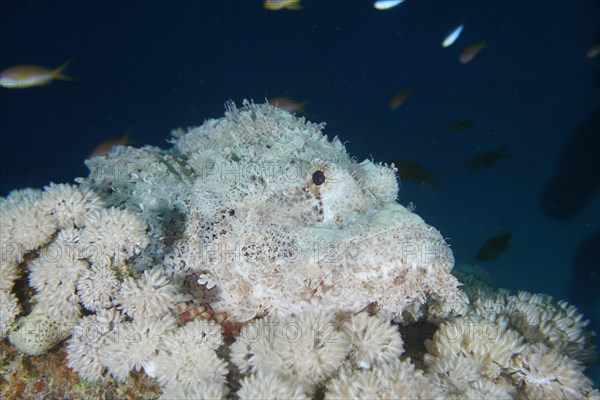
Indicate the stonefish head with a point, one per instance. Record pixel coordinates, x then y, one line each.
274 217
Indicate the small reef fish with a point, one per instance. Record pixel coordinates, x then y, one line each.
387 4
289 105
275 5
487 158
415 172
471 51
461 125
106 147
593 51
399 98
26 76
492 248
452 36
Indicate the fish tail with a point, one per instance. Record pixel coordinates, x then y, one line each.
295 7
302 110
303 104
127 134
57 72
127 139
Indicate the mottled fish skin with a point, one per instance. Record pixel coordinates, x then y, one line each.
301 216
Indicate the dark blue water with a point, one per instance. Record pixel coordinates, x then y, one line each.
158 65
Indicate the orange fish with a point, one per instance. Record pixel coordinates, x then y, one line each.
289 105
26 76
471 51
106 147
399 98
275 5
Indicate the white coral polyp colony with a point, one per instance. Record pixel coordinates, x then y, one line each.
261 218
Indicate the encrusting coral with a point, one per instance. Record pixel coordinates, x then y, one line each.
259 218
393 380
264 385
309 345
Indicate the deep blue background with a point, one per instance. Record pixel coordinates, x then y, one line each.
158 65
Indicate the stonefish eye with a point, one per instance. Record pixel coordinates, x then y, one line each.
318 177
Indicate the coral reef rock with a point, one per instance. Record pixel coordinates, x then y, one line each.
256 258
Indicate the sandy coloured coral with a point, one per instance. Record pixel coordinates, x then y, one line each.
97 287
258 217
112 233
309 345
203 390
150 296
54 276
545 373
25 226
9 308
537 317
372 339
269 385
188 356
68 204
131 346
85 348
394 380
9 272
